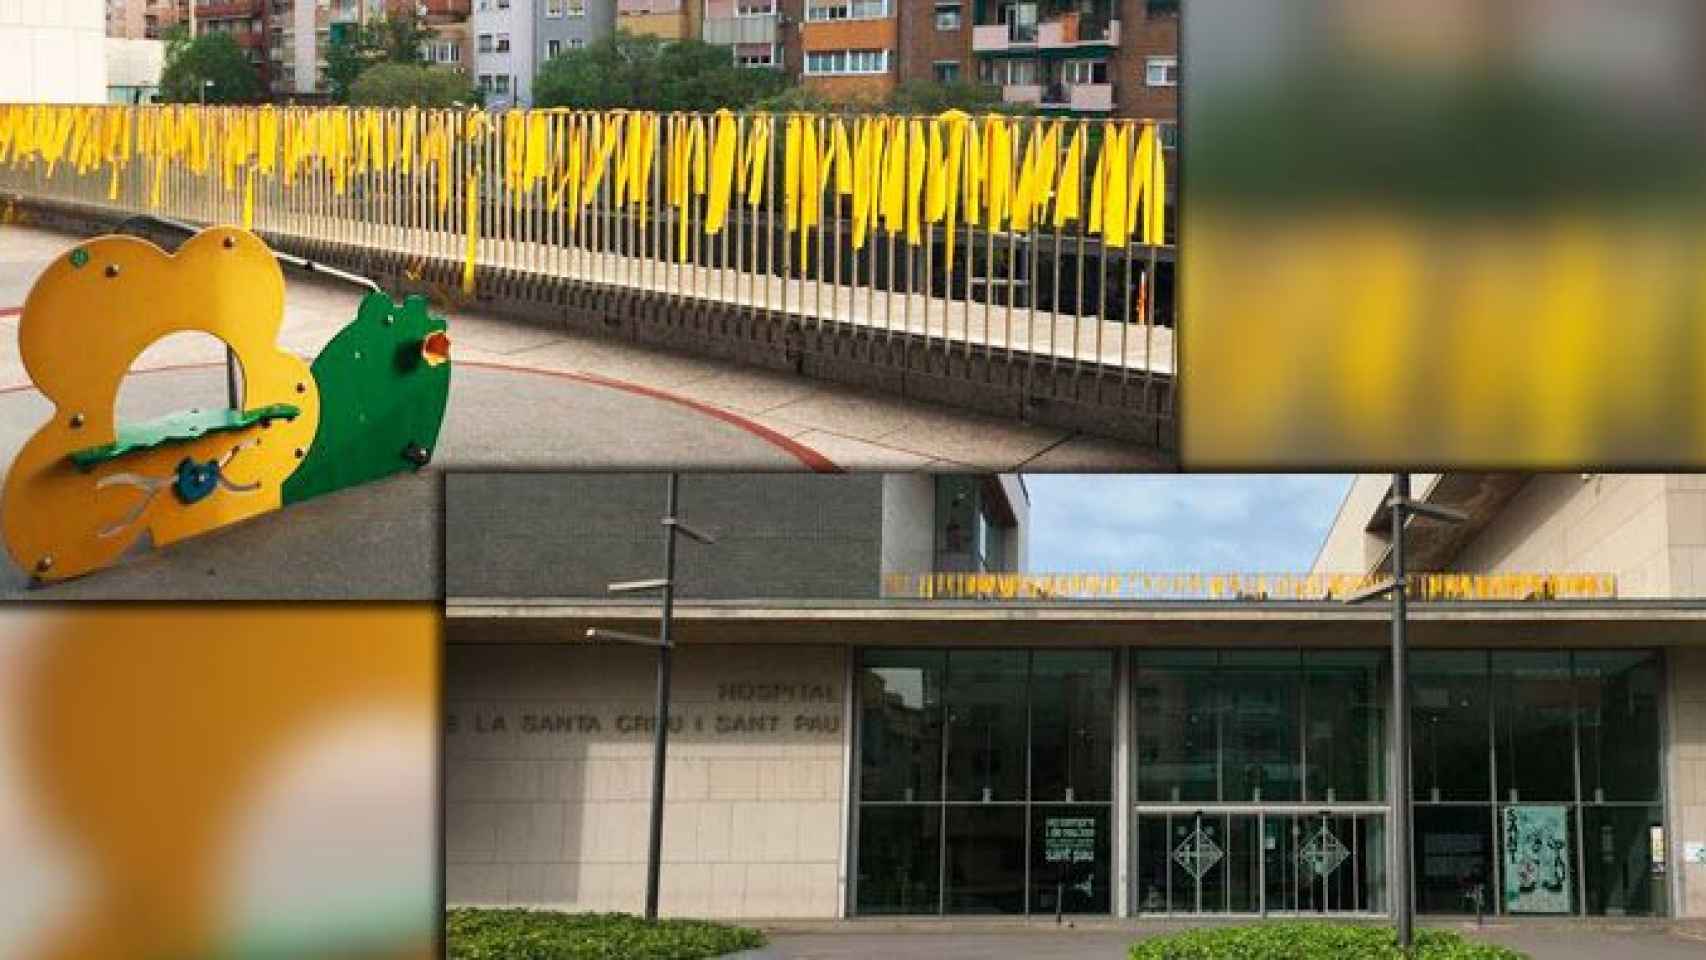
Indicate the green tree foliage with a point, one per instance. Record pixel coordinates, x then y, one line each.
924 96
397 38
411 85
648 73
213 56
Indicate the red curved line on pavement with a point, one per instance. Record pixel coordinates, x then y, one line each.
814 461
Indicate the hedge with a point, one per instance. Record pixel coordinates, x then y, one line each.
1292 940
472 934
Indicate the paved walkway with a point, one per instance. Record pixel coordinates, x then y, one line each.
850 428
1108 940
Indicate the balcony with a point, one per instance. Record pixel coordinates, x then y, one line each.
1074 30
727 31
1080 97
997 37
1022 93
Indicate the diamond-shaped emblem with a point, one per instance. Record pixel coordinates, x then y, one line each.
1197 853
1323 853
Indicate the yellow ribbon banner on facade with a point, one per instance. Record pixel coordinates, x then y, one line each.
904 175
1243 586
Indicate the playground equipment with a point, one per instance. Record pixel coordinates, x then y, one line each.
87 487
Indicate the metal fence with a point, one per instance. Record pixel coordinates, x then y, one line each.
1042 236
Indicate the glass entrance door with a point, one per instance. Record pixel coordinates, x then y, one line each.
1260 862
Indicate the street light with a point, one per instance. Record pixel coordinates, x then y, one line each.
1402 508
660 737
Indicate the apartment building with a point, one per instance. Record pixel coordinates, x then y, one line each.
1081 57
849 47
560 26
757 31
127 19
504 52
667 19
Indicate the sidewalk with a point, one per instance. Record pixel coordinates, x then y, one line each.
653 395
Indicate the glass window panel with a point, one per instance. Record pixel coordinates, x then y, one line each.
1154 862
1617 701
1623 876
1532 701
1243 864
1259 726
1449 726
986 859
1070 859
985 734
1177 744
1344 729
900 728
899 859
1072 725
1537 847
1454 856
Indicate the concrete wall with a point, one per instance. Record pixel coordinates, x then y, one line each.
595 24
779 535
517 21
1601 523
54 51
909 523
752 823
1687 775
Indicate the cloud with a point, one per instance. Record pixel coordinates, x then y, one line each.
1210 523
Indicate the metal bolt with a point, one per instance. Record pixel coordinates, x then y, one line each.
112 270
230 242
44 564
299 453
76 420
302 388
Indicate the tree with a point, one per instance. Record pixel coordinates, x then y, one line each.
927 97
399 37
211 67
648 73
406 85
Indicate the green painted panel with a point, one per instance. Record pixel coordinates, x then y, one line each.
177 428
381 402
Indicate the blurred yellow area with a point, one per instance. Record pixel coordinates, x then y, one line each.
220 781
1463 234
1366 341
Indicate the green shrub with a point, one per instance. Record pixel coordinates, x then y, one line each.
542 935
1311 941
409 85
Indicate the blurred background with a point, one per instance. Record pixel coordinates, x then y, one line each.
1465 232
234 781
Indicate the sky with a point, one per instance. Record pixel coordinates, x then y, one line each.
1243 523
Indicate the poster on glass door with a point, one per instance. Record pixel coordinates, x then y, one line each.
1537 860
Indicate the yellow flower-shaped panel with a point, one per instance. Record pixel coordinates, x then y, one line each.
86 487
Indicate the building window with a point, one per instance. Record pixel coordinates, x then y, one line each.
577 43
503 43
845 62
945 71
964 754
1169 135
486 83
755 8
485 43
1085 71
553 48
755 55
554 8
1161 72
577 8
847 9
503 4
1007 72
502 83
947 16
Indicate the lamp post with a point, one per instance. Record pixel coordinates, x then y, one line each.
1403 508
660 737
